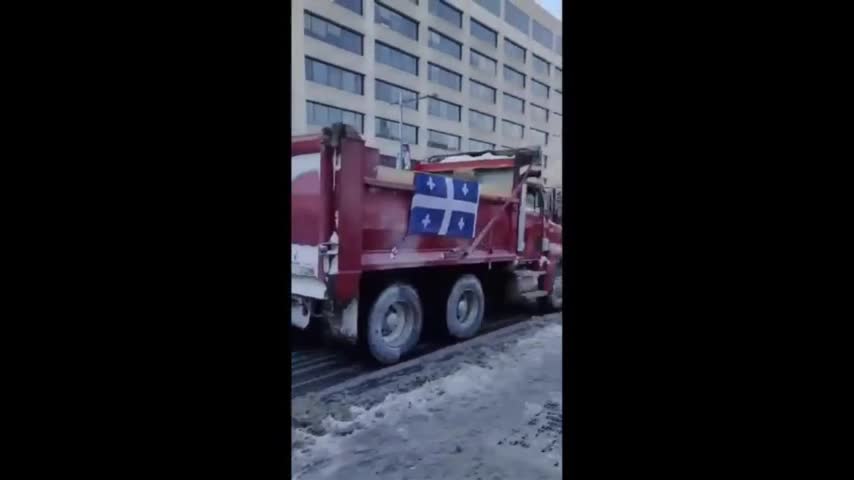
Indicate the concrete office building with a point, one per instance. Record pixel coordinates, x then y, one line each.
495 65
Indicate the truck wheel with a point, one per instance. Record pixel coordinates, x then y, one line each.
394 323
465 306
554 301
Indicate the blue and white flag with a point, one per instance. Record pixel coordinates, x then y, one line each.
444 206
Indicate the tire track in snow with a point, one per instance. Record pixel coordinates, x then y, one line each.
316 368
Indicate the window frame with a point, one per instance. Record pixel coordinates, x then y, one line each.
431 64
431 101
377 119
472 22
535 58
431 31
489 8
494 91
411 105
534 24
480 141
360 114
407 17
361 76
524 50
534 105
548 89
361 11
504 76
545 135
522 100
519 10
493 117
376 52
449 6
307 31
473 51
522 128
458 137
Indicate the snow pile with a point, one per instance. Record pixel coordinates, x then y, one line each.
469 158
446 425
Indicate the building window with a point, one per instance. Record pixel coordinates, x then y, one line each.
443 76
493 6
512 129
542 35
395 21
539 113
396 58
513 50
446 12
483 63
336 77
481 31
481 91
540 89
514 77
354 5
478 145
481 121
444 141
559 45
545 162
541 66
513 104
325 115
332 33
446 45
516 17
390 93
389 129
559 75
538 137
443 109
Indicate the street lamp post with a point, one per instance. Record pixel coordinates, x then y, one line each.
400 103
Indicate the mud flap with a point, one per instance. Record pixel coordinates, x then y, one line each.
345 326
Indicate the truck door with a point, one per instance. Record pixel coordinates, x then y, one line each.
534 209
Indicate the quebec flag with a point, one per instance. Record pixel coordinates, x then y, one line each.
444 206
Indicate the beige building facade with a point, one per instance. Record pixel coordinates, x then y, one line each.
495 67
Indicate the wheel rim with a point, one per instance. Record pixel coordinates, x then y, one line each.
397 323
468 308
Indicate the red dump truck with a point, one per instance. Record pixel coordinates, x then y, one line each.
358 272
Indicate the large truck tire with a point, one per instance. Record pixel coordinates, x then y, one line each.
553 302
394 323
464 308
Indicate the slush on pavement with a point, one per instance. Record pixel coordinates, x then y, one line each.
491 411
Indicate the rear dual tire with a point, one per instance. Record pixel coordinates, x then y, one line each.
394 323
396 318
464 308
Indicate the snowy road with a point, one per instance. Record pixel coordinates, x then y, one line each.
314 367
488 408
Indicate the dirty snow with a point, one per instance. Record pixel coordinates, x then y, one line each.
494 413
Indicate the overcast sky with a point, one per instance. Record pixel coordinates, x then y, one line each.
553 6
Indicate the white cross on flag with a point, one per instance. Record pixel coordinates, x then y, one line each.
444 206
